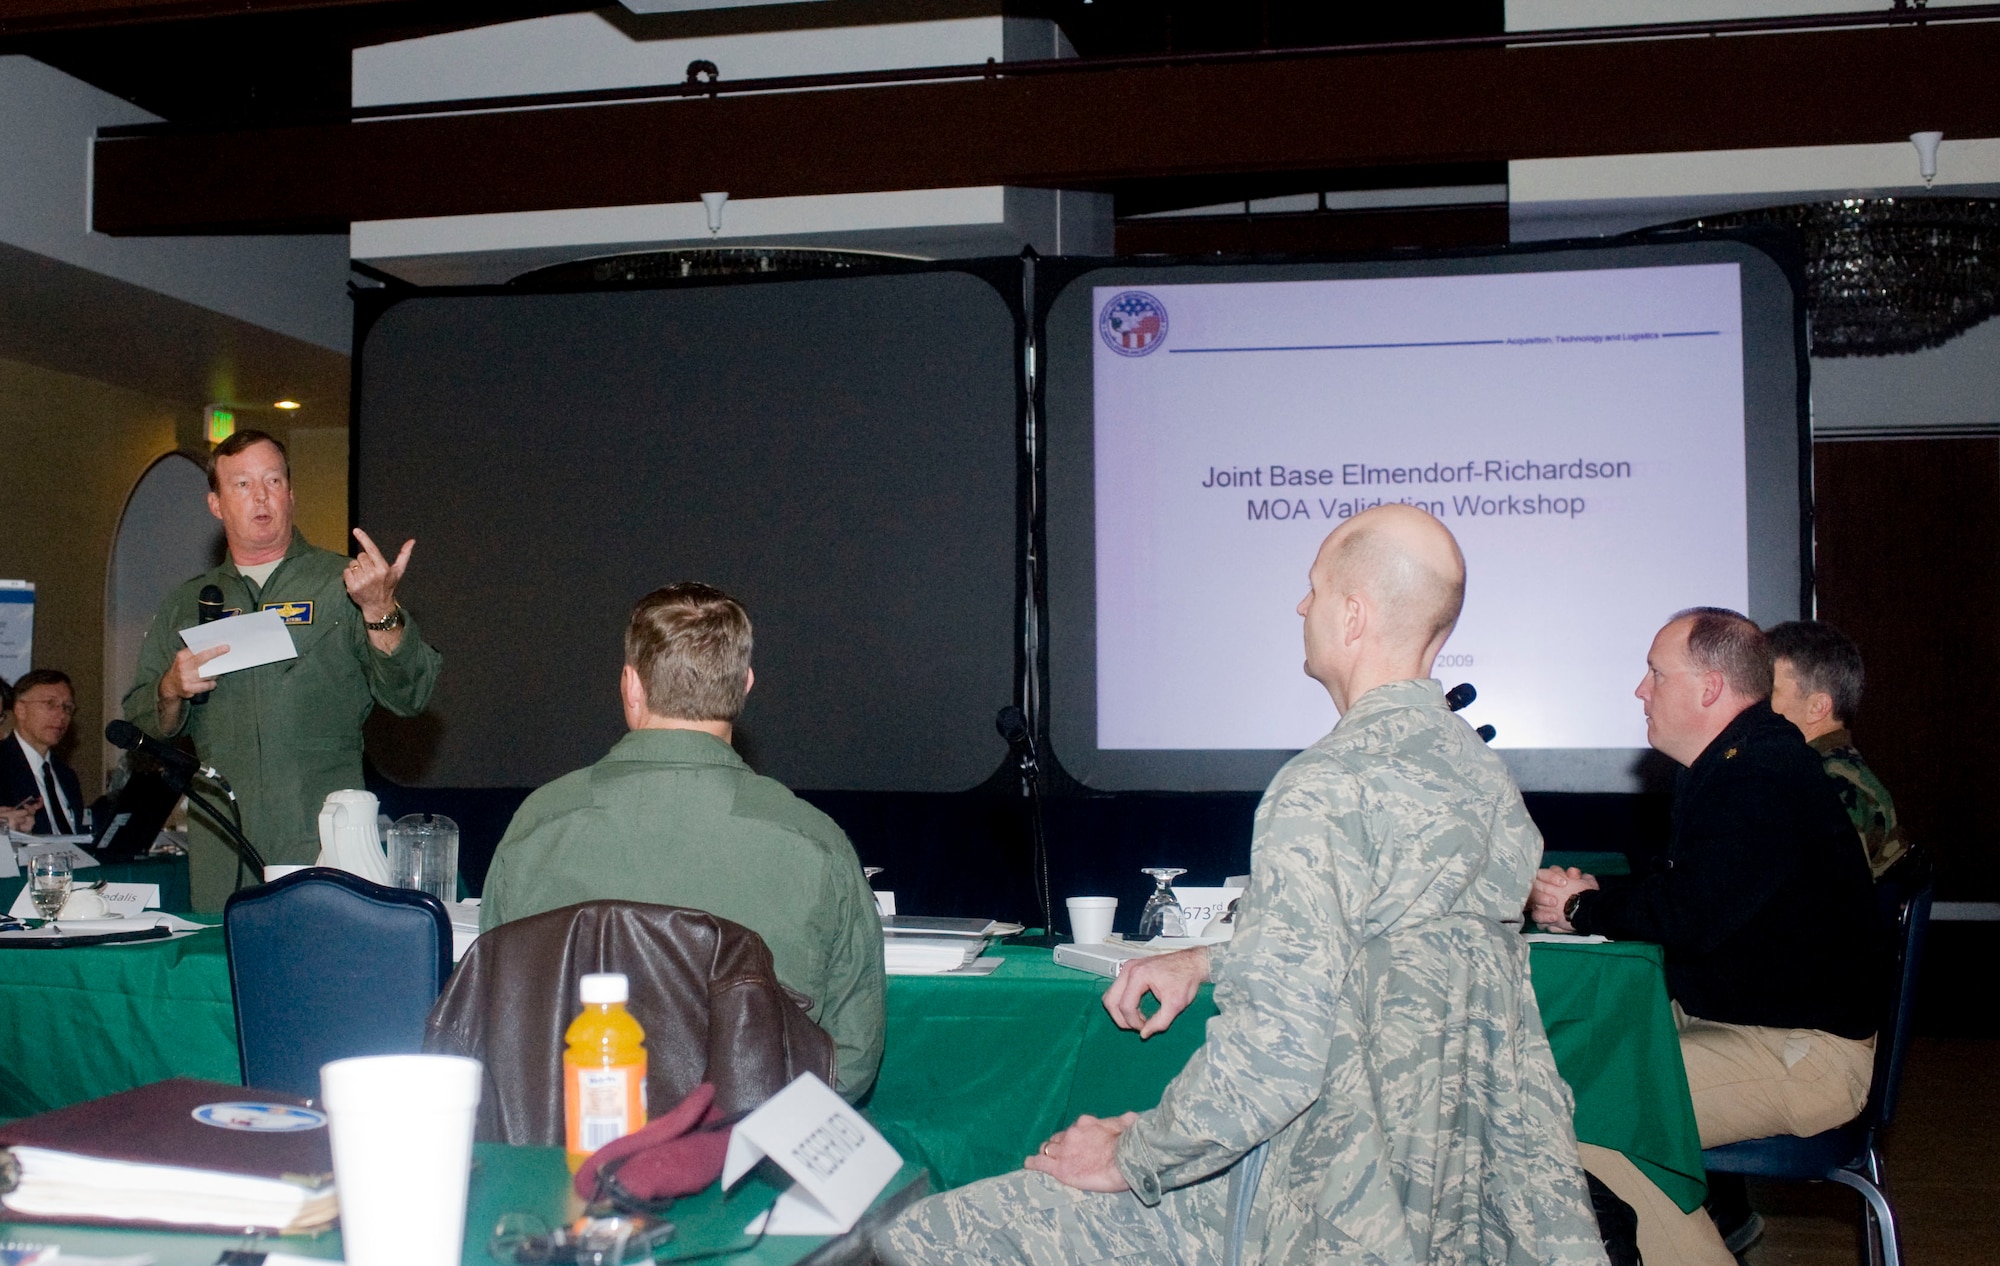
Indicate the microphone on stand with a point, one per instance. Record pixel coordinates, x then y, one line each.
179 770
130 738
1460 697
1012 724
207 608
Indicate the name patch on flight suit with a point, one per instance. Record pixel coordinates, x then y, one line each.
300 612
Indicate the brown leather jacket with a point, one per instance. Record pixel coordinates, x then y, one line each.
703 988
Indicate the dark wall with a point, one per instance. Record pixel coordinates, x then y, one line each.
1909 566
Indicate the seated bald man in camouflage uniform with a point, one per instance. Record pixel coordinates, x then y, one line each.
1377 1026
1816 685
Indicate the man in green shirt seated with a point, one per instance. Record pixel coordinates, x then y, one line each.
1816 685
672 815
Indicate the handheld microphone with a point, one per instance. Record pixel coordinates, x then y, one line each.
1460 697
207 608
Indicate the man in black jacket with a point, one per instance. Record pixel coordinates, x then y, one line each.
38 792
1763 905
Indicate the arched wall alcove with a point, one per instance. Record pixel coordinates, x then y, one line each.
165 535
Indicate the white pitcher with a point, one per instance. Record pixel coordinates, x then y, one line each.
349 838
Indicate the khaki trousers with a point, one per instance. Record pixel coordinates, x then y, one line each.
1747 1083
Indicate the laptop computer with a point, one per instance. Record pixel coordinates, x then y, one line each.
128 827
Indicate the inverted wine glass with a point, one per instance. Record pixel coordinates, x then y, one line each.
1163 915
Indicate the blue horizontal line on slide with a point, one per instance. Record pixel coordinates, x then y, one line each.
1369 347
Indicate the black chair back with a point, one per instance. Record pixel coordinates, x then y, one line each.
325 965
1903 896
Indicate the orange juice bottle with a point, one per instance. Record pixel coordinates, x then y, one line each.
604 1068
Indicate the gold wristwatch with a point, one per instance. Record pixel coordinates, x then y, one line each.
393 620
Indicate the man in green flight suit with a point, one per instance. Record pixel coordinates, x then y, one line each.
283 734
673 815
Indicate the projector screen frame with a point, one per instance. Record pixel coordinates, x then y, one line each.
401 739
1067 706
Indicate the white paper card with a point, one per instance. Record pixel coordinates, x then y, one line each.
258 638
1202 906
120 901
837 1161
175 925
885 903
27 846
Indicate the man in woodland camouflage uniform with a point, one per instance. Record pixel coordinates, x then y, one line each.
1816 685
1377 1026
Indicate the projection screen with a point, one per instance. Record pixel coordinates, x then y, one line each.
840 454
1613 433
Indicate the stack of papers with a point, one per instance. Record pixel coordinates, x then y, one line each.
916 945
926 925
62 1185
902 957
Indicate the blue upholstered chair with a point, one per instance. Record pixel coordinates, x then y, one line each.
1851 1154
324 965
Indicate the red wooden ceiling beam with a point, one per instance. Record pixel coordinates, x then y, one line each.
1082 129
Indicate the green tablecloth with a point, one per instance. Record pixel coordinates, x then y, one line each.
504 1180
977 1071
1590 863
79 1023
171 873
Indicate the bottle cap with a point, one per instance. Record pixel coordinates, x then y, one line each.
600 988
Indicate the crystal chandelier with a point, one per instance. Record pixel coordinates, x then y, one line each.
1890 275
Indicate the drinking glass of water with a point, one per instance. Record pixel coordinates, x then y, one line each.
48 883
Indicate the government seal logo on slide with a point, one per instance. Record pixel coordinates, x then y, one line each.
1133 323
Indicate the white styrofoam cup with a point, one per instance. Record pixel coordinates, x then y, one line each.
402 1155
1090 918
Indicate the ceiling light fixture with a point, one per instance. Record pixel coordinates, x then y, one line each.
286 404
1927 150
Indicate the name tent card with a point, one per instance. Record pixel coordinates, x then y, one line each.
1201 907
120 901
838 1162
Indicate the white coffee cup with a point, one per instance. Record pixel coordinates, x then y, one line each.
1090 918
279 872
85 903
402 1155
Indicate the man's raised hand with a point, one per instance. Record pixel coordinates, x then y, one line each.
371 579
1173 978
